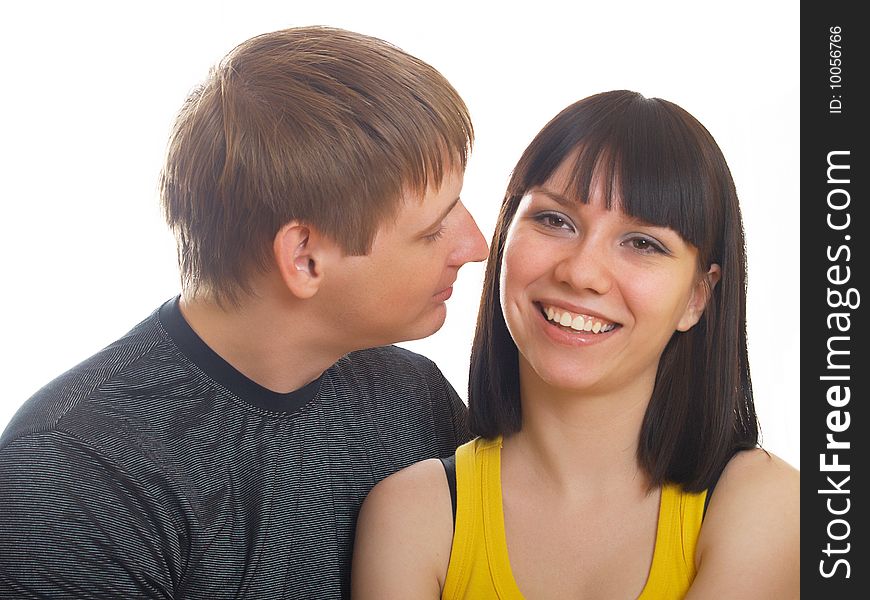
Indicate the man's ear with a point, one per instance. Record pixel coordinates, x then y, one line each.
300 253
700 296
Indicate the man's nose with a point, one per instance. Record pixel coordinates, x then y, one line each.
472 244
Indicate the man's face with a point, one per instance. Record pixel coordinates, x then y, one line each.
398 291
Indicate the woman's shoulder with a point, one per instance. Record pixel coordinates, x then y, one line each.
752 526
754 485
422 484
756 472
759 461
421 487
753 482
408 514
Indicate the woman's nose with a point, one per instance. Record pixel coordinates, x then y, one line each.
586 266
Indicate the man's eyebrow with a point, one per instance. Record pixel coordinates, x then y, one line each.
441 217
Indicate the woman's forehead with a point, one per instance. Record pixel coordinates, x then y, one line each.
568 184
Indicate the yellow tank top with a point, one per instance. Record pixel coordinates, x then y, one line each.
479 567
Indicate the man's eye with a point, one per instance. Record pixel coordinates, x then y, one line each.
436 235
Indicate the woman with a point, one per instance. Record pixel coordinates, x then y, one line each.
609 388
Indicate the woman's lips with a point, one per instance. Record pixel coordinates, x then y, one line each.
568 334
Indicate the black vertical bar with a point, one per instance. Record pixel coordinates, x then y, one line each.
835 231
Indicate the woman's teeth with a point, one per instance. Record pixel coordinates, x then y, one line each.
577 322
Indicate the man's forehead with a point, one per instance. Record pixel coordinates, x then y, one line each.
417 212
436 195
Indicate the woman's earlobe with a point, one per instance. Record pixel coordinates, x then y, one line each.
714 273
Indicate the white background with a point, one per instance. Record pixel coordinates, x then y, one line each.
90 89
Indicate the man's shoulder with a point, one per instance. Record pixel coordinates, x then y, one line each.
387 374
389 366
107 372
418 413
390 356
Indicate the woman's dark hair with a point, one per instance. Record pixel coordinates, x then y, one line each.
667 170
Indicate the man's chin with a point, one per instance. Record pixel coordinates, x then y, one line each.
428 324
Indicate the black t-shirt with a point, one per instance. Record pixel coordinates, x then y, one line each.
156 470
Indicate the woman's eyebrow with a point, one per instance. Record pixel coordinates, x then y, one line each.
568 203
559 198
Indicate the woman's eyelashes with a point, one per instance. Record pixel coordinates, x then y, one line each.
645 245
638 242
554 220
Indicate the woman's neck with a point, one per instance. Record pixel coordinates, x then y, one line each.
577 441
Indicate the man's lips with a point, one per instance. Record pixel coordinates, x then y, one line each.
444 294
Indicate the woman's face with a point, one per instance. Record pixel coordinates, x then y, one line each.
591 296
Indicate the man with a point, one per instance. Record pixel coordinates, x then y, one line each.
221 449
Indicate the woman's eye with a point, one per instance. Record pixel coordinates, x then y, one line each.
646 246
554 221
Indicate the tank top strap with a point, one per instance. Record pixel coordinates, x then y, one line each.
673 565
479 566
